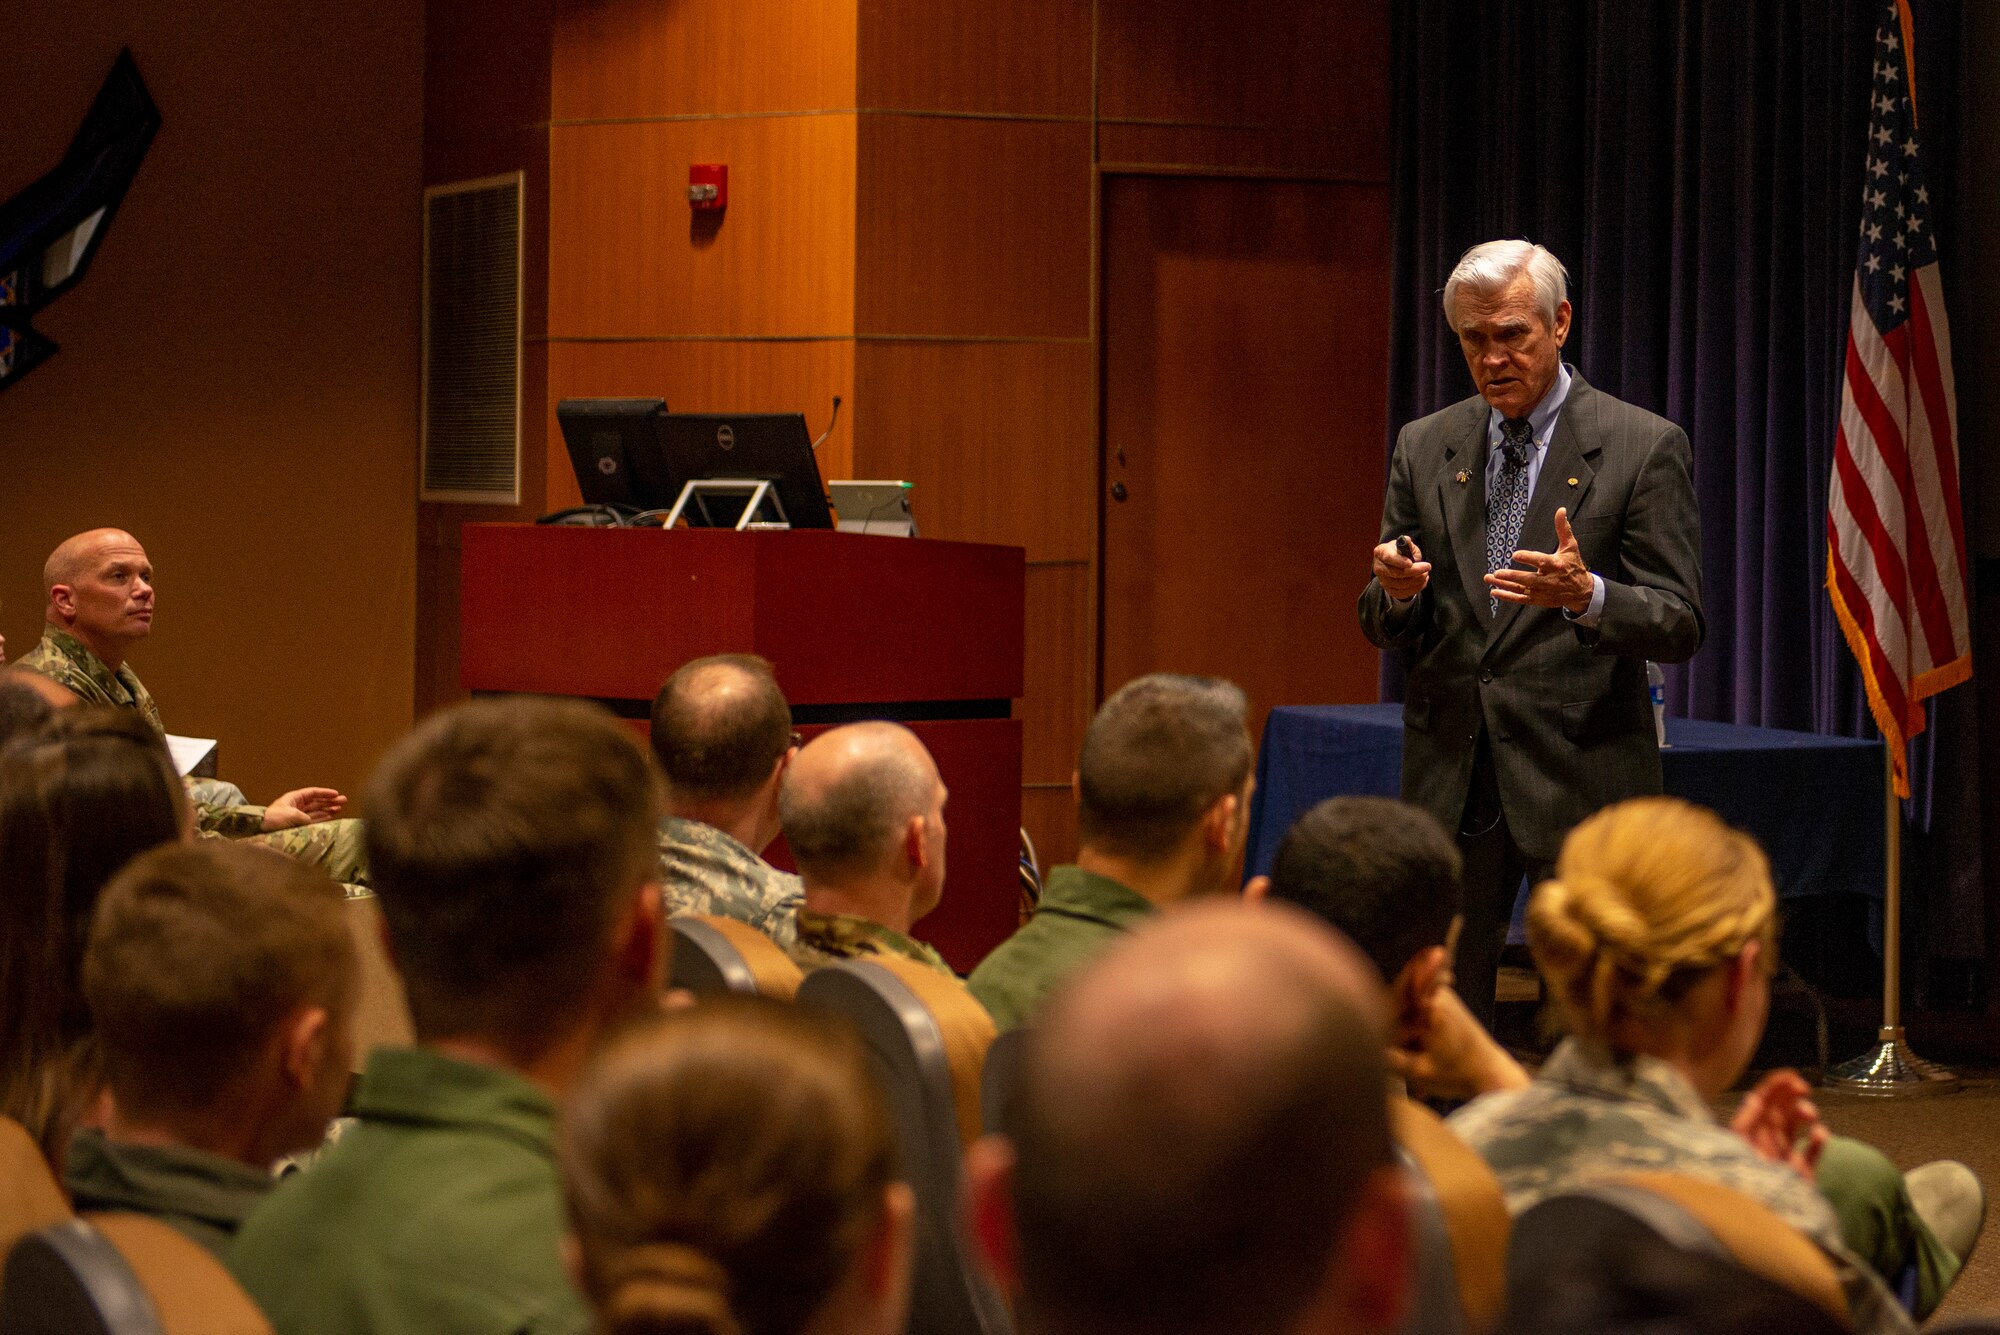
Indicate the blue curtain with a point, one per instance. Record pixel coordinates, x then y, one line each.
1698 167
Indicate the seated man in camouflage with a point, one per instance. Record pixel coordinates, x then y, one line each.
100 591
863 809
723 735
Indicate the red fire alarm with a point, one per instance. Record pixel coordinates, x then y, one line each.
708 185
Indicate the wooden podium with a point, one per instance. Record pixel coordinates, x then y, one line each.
925 632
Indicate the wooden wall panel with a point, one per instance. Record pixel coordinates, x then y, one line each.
1308 71
628 258
704 375
1245 335
1310 153
1049 817
1060 668
976 56
637 58
999 438
973 228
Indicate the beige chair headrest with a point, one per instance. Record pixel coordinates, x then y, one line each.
777 974
967 1029
30 1197
1760 1241
191 1290
1475 1209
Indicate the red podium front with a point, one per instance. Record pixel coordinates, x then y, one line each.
925 632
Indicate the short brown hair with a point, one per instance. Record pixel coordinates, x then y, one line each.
723 1168
1160 752
719 726
197 954
505 837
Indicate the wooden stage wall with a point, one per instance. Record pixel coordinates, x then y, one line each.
915 224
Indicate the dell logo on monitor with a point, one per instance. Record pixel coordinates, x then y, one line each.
725 436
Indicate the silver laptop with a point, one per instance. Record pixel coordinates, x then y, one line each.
881 508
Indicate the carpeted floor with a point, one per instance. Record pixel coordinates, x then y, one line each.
1963 1126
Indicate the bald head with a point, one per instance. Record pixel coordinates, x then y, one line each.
77 555
849 797
1199 1111
720 726
100 589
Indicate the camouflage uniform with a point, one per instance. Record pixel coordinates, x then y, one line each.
703 870
1586 1117
334 845
825 937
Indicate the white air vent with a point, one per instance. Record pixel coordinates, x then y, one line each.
472 342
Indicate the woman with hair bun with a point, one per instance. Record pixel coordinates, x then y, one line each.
1657 938
730 1170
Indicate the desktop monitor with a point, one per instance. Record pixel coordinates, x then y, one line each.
759 447
615 446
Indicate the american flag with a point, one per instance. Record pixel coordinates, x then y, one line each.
1895 534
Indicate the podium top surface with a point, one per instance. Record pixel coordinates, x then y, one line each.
844 618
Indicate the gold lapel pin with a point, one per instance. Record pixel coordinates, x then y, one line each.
1464 476
1572 482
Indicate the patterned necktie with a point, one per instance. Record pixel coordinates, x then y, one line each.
1507 499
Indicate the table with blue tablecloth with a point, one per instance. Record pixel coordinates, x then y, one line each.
1815 803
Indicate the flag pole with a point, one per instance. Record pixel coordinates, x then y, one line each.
1890 1069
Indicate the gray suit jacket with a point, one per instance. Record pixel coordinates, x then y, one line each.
1566 708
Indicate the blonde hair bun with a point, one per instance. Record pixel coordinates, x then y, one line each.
664 1288
1648 895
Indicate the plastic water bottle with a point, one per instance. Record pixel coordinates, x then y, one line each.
1656 687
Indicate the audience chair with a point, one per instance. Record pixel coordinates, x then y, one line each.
1031 877
714 954
382 1017
191 1290
30 1197
1000 1079
1461 1226
68 1279
1688 1213
121 1274
928 1040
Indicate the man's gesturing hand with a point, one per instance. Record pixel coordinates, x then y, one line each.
1547 579
304 806
1403 576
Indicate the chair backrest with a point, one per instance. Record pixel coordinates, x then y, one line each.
69 1278
191 1291
927 1038
120 1274
1462 1224
30 1197
1692 1215
716 954
1752 1234
1000 1079
382 1016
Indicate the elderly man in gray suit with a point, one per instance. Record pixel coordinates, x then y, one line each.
1540 544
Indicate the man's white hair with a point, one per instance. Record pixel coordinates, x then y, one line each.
1492 265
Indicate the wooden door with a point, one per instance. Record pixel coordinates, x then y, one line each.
1245 344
